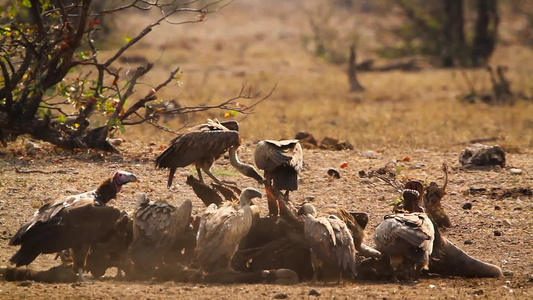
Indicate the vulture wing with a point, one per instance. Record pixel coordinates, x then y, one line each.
193 146
345 248
269 155
62 225
400 233
158 223
320 236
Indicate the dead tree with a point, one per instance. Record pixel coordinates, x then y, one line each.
355 86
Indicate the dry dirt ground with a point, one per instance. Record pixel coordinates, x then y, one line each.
22 192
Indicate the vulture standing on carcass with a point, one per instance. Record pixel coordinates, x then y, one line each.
407 237
203 145
221 230
281 161
70 222
330 241
157 226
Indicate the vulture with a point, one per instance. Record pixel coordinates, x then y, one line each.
201 146
330 241
407 237
157 226
221 230
281 161
432 202
70 222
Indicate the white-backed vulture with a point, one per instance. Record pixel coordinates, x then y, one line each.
156 228
407 237
281 161
70 222
221 230
202 146
330 241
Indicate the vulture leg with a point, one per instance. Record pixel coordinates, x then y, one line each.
395 261
79 258
199 171
273 209
316 264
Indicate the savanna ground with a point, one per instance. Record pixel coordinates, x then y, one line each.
410 120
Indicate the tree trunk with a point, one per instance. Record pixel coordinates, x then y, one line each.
486 31
355 86
454 37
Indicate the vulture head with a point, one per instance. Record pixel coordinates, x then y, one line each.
247 195
412 196
307 209
120 178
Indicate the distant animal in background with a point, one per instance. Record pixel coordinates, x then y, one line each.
222 229
432 202
407 238
330 241
157 226
202 146
73 222
166 109
281 161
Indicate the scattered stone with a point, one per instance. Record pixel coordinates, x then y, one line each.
281 296
432 286
497 207
482 155
467 205
515 171
307 140
508 273
468 242
506 222
25 283
478 292
334 173
497 233
310 198
370 154
314 292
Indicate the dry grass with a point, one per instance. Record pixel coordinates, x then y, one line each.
262 45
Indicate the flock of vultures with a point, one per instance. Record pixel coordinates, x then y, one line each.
231 242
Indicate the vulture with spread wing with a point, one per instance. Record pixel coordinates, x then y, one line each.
221 230
70 222
330 241
202 146
407 237
157 226
281 161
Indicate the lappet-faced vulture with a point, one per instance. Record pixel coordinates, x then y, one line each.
281 161
203 145
407 237
221 230
330 241
70 222
156 228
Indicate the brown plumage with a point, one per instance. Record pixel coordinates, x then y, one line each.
432 201
70 222
281 161
221 231
330 241
356 222
202 146
407 237
156 228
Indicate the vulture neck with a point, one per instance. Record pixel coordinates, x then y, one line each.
243 168
106 191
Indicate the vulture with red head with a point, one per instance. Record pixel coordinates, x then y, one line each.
407 237
202 146
70 222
